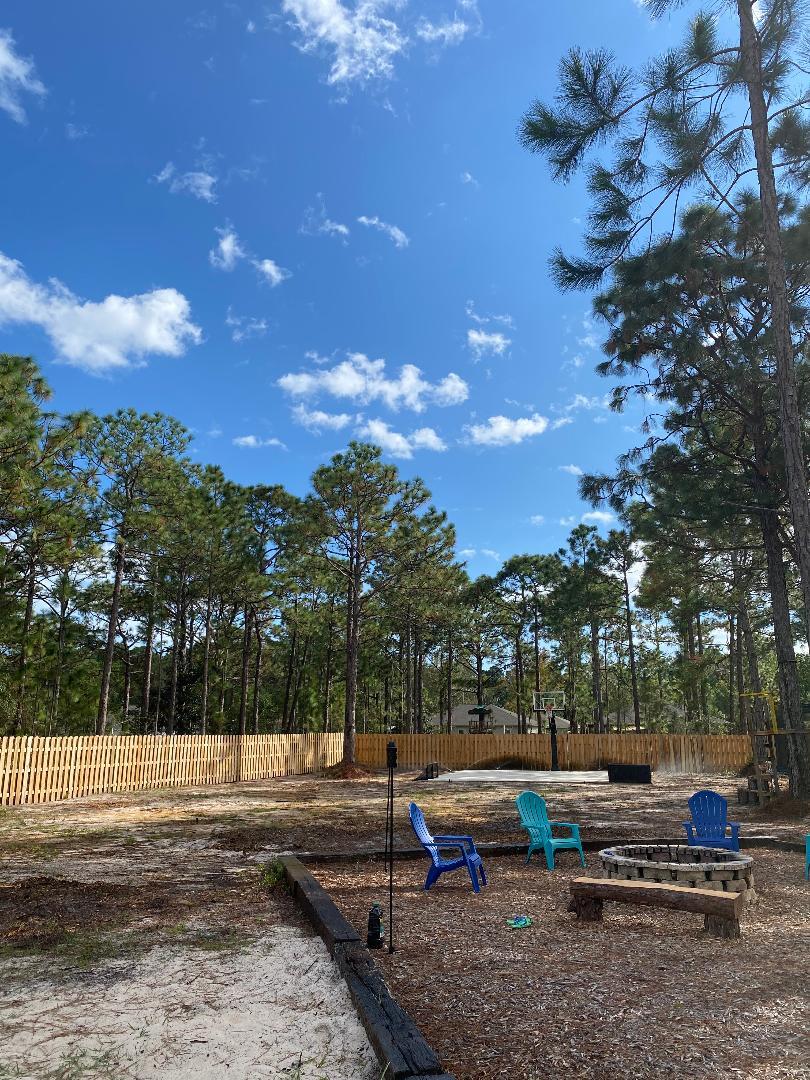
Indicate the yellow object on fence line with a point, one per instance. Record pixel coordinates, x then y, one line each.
47 769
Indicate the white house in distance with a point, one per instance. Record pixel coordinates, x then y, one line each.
501 722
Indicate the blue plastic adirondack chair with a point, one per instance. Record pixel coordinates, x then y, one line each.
469 857
534 818
709 822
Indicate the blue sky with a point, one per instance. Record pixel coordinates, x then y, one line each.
296 222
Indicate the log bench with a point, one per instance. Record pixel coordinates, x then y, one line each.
721 909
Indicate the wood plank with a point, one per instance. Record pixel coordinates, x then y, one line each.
704 901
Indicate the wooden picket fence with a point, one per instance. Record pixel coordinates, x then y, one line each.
675 753
44 770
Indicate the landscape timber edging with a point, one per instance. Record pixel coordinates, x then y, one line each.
398 1043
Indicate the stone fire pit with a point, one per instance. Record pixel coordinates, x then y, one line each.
679 864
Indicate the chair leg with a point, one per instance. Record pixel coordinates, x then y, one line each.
549 858
432 875
581 855
473 877
483 875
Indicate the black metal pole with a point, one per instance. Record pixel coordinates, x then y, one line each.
391 757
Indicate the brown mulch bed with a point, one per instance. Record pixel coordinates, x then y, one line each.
643 994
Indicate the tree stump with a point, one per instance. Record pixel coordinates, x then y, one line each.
720 927
587 908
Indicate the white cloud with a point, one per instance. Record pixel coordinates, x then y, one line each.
244 327
317 223
566 521
561 421
398 445
468 178
250 26
316 420
253 442
599 517
485 343
467 553
393 232
574 470
198 182
537 519
362 43
116 332
228 251
490 554
450 32
482 320
362 380
272 273
76 131
17 77
503 431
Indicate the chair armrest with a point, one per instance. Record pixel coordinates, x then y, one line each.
689 829
735 828
455 839
567 825
444 842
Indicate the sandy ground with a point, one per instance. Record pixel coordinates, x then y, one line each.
128 923
277 1008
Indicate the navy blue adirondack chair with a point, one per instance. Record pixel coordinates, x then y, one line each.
469 857
709 822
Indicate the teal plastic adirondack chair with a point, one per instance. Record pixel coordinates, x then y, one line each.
534 818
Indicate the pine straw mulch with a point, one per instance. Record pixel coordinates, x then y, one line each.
643 994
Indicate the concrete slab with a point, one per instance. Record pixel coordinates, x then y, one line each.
521 776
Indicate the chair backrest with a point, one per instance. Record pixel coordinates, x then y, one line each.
709 813
532 810
423 834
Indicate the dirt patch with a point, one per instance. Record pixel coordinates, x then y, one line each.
344 771
783 808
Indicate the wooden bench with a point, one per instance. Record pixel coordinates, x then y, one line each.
721 909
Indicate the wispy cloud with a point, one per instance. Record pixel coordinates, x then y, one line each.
574 470
255 442
504 431
17 78
361 380
393 232
317 223
74 132
361 42
198 182
468 178
116 332
483 343
244 327
271 272
228 250
537 519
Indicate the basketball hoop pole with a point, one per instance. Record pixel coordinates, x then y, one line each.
547 707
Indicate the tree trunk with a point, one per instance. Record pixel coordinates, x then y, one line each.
257 676
327 679
22 662
112 629
449 689
745 722
64 601
631 652
148 645
288 681
789 412
789 693
733 706
247 633
519 685
704 693
596 679
408 678
177 635
206 663
352 658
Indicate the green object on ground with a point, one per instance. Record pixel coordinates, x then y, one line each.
519 922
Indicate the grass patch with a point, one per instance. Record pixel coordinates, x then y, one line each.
218 941
73 1065
272 875
80 949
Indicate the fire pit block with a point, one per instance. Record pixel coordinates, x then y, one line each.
680 864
